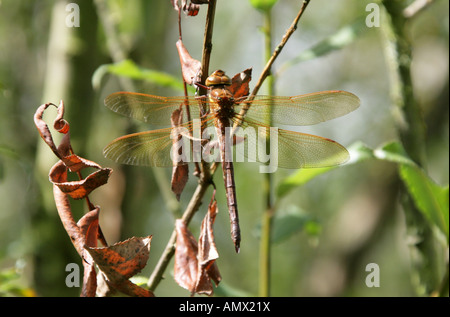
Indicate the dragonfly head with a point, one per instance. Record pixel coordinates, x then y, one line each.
218 78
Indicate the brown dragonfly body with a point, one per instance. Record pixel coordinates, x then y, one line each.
222 107
293 149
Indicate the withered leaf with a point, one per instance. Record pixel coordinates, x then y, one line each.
121 261
240 83
195 262
43 129
190 9
78 189
207 252
88 225
61 125
65 213
78 236
89 287
180 176
76 163
186 263
190 67
180 171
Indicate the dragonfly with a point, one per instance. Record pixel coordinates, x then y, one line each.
220 111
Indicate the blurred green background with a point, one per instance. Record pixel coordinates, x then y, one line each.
331 227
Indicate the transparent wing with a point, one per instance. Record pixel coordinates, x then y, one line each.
299 110
151 148
153 109
287 149
162 148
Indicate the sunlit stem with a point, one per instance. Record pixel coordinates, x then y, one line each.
266 220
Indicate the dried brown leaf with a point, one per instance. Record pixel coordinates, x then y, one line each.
180 171
207 251
76 163
186 263
61 125
195 262
89 224
65 213
121 261
89 287
180 176
190 67
78 189
43 129
240 83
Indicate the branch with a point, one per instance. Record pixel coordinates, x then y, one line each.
278 49
205 176
416 7
267 68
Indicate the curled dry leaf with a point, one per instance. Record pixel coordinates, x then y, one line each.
43 129
87 231
78 189
190 67
240 83
60 124
180 176
195 265
186 264
207 252
121 261
75 163
81 233
180 171
191 8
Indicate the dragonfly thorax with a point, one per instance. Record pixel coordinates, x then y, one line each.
221 101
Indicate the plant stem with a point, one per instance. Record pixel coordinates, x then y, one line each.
169 251
266 228
273 57
205 176
411 129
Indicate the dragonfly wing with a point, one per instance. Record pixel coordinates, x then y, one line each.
153 109
288 149
300 110
161 148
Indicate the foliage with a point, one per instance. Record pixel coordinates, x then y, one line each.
387 191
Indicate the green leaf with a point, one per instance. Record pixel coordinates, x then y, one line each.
225 290
129 69
430 198
393 152
336 41
139 280
299 178
291 221
263 5
358 152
